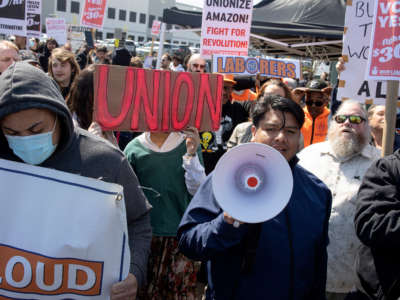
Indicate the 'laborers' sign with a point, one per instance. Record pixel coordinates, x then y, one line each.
250 66
62 236
225 27
132 99
384 58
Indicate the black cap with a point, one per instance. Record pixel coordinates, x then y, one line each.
28 56
316 85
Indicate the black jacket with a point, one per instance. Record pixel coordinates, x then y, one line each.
377 222
82 59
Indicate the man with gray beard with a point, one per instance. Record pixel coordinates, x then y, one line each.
341 163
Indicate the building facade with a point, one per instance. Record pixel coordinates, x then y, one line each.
132 16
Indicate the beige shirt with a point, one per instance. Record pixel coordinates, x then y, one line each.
343 178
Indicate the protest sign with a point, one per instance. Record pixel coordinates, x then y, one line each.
12 17
76 36
148 62
135 99
89 39
57 29
243 65
62 236
155 28
384 57
93 13
356 45
33 18
225 27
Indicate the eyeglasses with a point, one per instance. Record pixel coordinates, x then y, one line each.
352 118
199 66
316 103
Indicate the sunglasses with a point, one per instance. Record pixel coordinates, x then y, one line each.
199 66
352 118
316 103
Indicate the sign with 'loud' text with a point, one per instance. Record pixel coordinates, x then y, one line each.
62 236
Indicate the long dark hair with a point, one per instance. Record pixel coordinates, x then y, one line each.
80 100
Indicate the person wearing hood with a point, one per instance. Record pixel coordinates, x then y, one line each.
37 128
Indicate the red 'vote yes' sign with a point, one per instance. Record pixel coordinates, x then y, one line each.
132 99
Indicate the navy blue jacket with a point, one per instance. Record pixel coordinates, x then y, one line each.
291 258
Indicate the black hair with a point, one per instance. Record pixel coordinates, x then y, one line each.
265 103
102 49
178 57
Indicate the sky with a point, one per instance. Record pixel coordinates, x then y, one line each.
199 3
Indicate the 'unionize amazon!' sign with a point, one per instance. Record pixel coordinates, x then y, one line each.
225 27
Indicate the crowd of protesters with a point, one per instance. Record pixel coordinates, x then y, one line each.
336 239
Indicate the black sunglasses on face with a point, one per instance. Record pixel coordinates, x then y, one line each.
199 66
352 118
316 103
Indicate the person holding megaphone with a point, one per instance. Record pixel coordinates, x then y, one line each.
260 238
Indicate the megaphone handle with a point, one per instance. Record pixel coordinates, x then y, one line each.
228 219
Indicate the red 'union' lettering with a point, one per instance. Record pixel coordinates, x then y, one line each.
131 99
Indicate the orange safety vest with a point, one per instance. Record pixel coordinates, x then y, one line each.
246 95
315 130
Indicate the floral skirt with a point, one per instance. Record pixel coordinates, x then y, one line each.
171 276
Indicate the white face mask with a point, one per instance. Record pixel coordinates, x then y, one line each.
33 149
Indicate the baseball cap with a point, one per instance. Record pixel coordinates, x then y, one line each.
29 57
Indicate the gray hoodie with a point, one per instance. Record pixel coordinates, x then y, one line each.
23 86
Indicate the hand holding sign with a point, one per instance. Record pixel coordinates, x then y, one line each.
192 140
340 65
125 290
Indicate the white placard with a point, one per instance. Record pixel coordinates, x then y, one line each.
243 65
33 18
356 45
12 17
225 27
155 28
57 29
62 236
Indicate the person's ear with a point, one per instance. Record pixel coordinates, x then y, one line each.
253 133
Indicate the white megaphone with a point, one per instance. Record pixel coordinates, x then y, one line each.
252 182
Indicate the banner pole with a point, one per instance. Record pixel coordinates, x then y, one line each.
161 46
152 45
390 117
